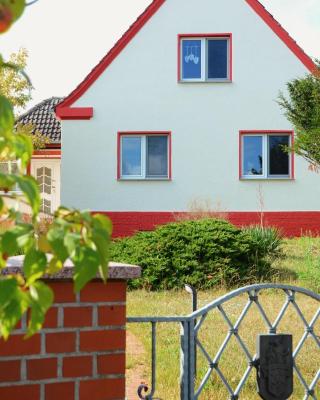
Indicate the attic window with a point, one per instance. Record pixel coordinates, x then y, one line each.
205 58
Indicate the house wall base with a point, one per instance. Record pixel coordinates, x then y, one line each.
78 355
291 223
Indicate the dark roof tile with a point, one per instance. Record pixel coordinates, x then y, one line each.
42 116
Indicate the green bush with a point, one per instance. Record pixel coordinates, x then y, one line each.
204 253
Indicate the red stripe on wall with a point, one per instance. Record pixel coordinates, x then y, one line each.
292 223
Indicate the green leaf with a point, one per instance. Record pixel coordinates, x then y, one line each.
55 238
13 304
101 240
6 117
72 242
8 286
29 187
35 264
7 182
86 266
54 266
16 239
41 300
23 148
13 313
103 222
43 244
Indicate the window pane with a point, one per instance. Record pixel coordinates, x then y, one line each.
157 156
278 158
131 156
191 59
218 59
252 155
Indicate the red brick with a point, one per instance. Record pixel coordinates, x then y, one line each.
112 315
103 389
98 292
9 371
64 342
102 340
51 320
77 317
45 368
26 392
61 391
74 367
63 292
112 364
17 345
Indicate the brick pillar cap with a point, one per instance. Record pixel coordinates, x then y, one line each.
116 270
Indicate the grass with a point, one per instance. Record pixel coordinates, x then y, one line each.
300 266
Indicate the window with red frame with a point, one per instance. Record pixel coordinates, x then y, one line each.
266 155
205 58
144 156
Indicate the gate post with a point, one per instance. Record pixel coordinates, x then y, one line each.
187 357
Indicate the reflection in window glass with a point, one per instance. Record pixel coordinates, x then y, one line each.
157 156
252 155
131 156
218 59
191 59
278 157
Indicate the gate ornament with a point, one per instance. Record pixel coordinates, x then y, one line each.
275 367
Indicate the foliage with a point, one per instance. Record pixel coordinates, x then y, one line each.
17 89
13 85
204 253
302 109
73 234
39 141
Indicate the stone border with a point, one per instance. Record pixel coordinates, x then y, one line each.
116 270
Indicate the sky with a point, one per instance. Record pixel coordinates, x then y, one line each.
67 38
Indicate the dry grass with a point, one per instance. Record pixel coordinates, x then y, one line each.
302 255
202 208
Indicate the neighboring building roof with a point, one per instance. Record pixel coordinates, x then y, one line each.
42 116
64 110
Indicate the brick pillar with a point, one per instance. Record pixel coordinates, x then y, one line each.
80 352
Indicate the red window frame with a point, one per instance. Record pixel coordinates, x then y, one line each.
266 132
145 133
203 36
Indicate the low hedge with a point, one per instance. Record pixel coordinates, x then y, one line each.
204 253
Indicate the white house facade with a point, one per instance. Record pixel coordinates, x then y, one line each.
184 108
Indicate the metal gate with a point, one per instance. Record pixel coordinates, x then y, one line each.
190 342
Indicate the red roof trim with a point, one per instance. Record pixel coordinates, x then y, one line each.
282 33
64 110
74 113
113 53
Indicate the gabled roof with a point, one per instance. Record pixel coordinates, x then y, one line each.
42 116
65 111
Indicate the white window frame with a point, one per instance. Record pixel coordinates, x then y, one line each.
205 59
144 155
265 157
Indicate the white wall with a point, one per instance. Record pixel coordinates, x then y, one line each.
139 91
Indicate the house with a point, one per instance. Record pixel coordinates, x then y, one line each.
45 163
184 107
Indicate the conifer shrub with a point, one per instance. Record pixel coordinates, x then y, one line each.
204 253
